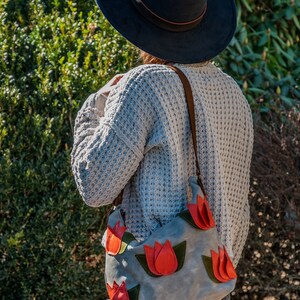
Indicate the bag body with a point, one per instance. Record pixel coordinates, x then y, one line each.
129 272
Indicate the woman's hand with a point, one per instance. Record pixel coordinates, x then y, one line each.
105 90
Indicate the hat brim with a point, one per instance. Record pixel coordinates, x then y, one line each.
202 43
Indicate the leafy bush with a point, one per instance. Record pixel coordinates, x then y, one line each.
264 54
52 57
53 54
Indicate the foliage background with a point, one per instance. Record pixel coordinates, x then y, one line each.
53 54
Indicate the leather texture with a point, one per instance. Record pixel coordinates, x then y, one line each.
190 282
190 103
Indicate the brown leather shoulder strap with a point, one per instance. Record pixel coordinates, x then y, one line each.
119 199
190 102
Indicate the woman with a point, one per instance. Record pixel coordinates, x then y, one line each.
139 137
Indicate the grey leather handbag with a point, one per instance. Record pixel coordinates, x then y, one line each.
181 260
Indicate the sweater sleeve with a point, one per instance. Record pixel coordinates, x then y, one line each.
109 145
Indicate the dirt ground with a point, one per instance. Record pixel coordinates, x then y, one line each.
270 266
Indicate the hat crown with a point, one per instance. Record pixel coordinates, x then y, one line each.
181 31
176 10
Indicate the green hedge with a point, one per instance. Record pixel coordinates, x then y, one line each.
265 54
53 54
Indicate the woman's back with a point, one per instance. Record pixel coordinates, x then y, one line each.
145 130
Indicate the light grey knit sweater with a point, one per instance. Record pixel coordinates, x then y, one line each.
140 139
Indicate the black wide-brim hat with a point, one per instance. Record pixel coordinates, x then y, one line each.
181 31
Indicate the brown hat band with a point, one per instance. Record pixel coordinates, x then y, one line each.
164 23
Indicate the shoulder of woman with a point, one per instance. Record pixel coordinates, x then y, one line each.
237 91
147 73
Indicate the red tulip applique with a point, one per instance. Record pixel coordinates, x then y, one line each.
114 238
161 259
201 213
219 266
117 292
222 266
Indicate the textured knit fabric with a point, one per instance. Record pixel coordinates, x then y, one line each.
140 139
